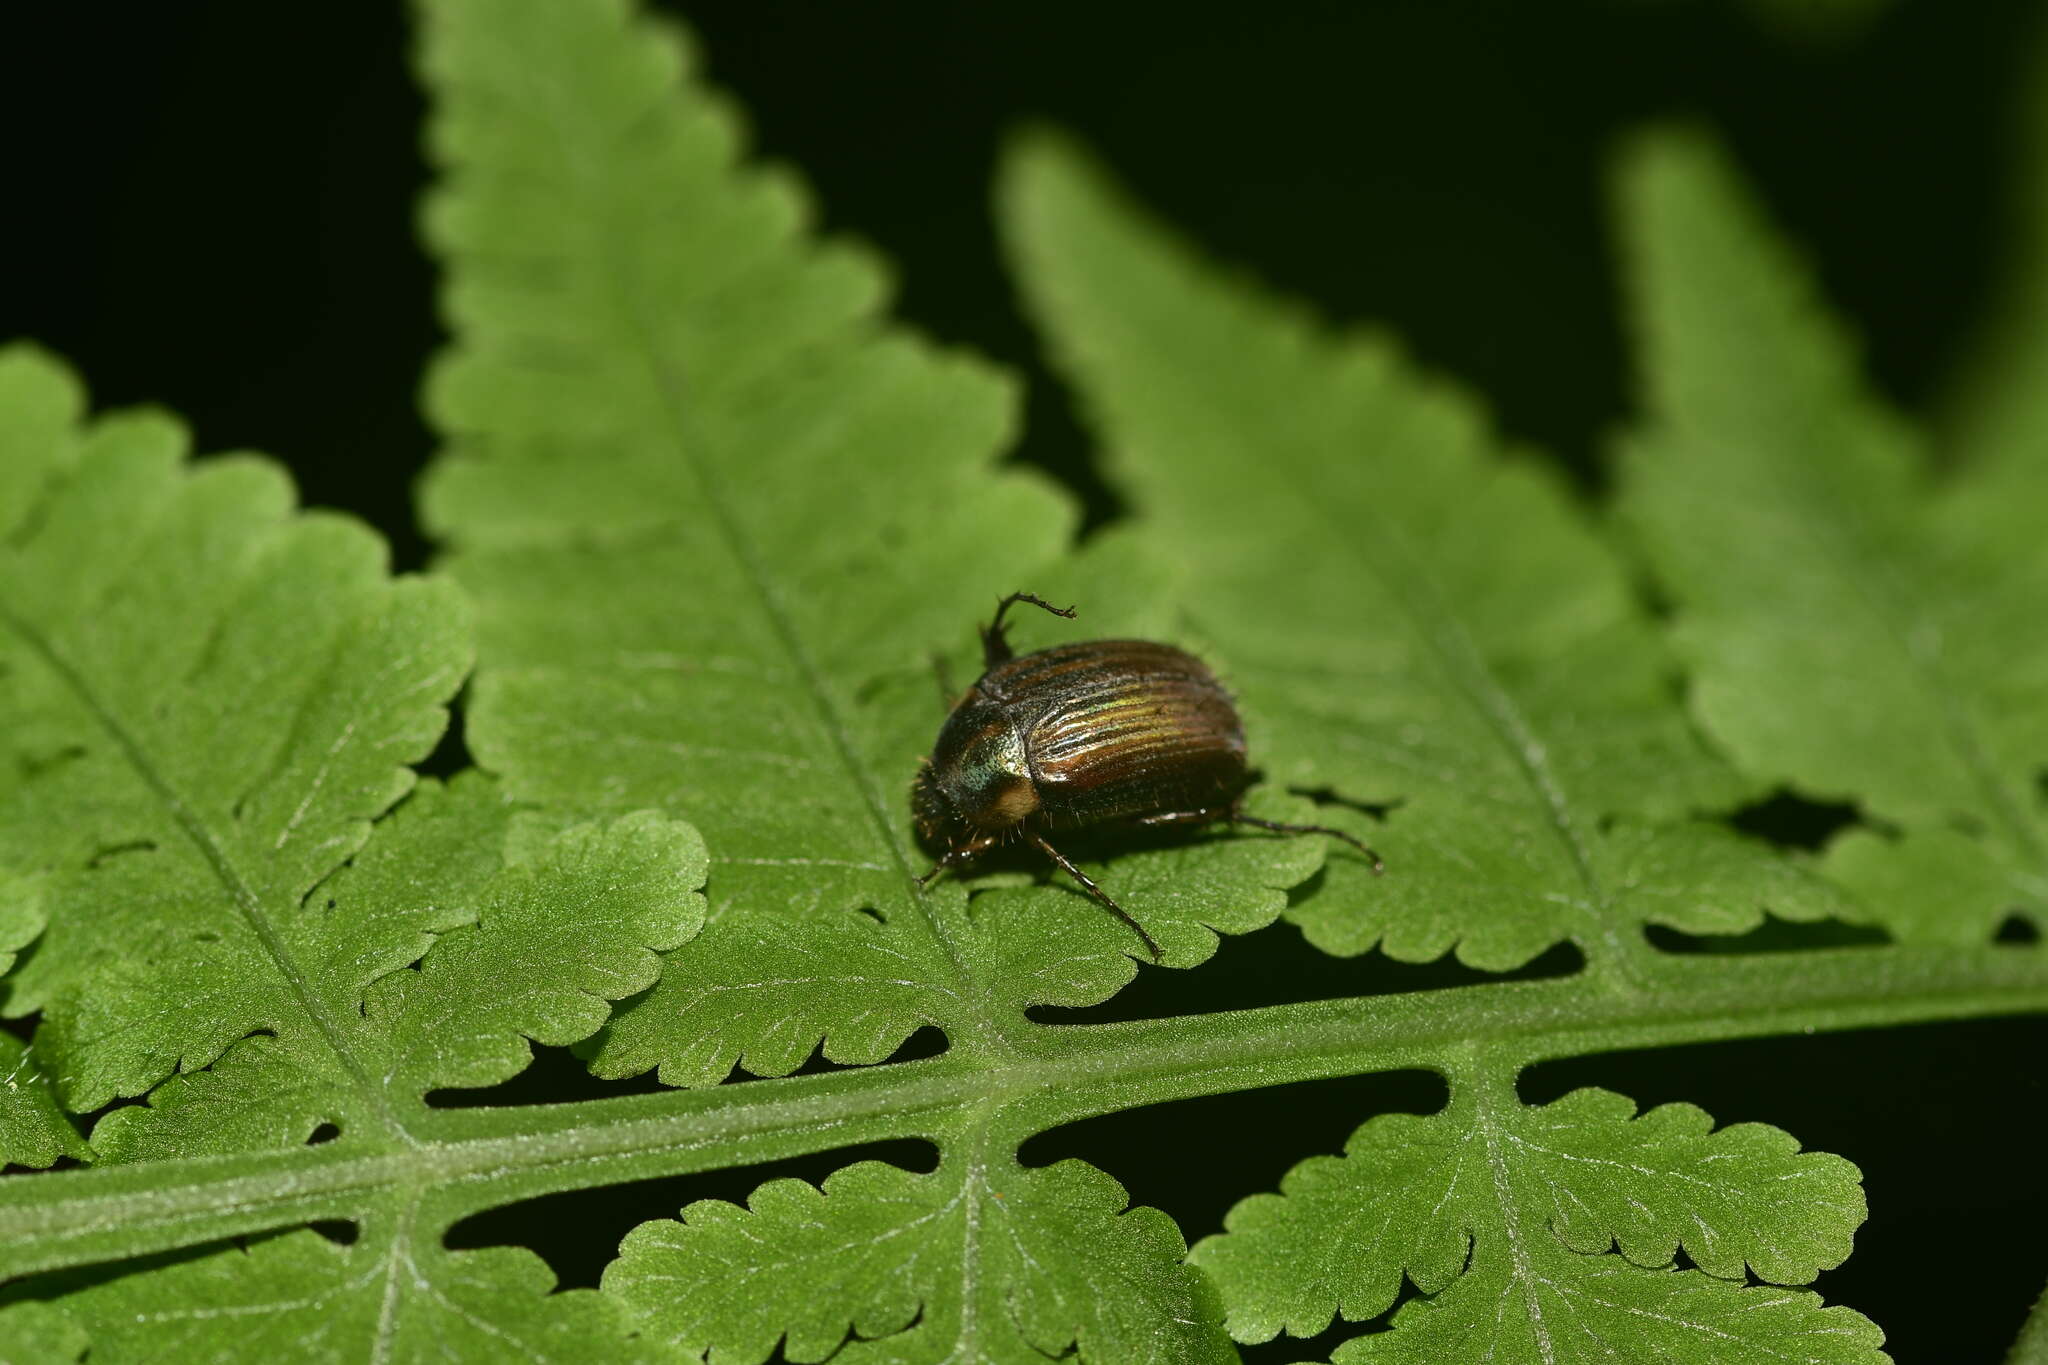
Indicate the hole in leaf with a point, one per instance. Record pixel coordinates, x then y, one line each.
1682 1260
577 1232
1169 1155
872 913
451 753
926 1041
1774 935
113 851
1278 966
1965 1096
326 1132
87 1122
556 1075
560 1075
2018 929
1287 1350
33 765
854 1334
1793 821
339 1231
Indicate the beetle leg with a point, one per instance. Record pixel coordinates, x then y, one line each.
1185 817
965 853
1088 885
943 673
995 647
1238 817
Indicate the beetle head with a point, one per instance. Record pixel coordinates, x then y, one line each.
977 781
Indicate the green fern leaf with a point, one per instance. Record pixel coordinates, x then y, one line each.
33 1129
897 1260
1616 1316
1550 1233
718 517
212 699
40 441
1854 631
299 1297
550 942
1444 637
225 694
37 1334
661 480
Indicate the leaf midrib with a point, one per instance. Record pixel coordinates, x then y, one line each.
1493 1096
629 300
669 384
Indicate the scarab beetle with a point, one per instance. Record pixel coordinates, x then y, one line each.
1102 732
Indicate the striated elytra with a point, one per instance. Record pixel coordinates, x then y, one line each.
1103 732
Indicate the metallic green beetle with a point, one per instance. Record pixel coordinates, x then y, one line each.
1102 732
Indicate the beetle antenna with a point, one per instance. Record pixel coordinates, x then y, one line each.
1088 885
995 647
1240 818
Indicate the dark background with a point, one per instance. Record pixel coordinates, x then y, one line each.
208 205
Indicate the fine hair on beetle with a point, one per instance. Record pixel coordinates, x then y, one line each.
1098 733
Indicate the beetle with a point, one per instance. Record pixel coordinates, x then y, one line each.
1101 732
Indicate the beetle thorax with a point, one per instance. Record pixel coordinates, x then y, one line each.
979 768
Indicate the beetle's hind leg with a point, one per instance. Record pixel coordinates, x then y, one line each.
1238 817
1088 885
995 646
1204 814
1201 816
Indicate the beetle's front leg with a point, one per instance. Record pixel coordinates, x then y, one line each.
956 857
